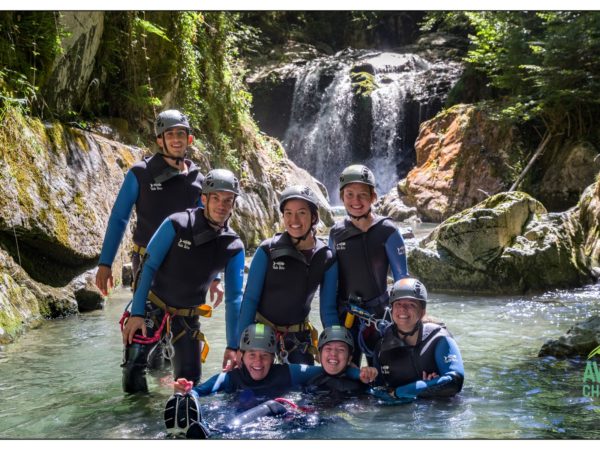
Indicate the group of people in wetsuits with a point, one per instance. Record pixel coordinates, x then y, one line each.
182 245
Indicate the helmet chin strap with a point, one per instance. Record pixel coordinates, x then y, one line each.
177 159
414 330
296 240
364 216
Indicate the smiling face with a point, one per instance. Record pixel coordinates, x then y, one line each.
297 217
176 140
406 313
335 356
358 198
219 205
257 363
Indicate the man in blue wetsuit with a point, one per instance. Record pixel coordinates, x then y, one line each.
158 186
284 275
183 257
366 247
258 376
417 359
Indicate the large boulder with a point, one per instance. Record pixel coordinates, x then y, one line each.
463 156
59 188
24 302
505 244
580 340
391 205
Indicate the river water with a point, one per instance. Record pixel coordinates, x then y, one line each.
62 380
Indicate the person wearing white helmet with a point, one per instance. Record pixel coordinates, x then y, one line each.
417 358
183 257
284 275
366 247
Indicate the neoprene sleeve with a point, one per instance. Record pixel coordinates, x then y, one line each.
119 218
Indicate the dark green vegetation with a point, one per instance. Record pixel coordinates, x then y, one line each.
538 68
188 57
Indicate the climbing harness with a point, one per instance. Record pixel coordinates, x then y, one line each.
367 321
282 332
167 339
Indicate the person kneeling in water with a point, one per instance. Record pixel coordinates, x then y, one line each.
257 374
336 347
416 359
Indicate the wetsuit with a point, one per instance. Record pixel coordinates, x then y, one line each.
335 386
281 378
157 190
401 366
183 258
364 259
281 284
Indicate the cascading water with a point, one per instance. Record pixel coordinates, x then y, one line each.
324 123
318 136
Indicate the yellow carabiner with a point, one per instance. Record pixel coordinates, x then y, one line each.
349 320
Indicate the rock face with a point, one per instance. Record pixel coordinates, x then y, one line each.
505 244
60 185
568 168
462 157
392 206
23 301
71 72
580 340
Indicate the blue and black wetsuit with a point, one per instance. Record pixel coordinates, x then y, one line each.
364 259
157 190
335 387
281 378
281 284
182 259
401 366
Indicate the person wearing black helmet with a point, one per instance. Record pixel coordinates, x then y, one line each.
157 186
366 247
417 358
285 272
258 377
185 254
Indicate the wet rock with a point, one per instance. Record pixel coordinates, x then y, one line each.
392 206
580 340
86 293
462 157
506 244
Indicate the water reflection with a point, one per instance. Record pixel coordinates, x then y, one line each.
62 380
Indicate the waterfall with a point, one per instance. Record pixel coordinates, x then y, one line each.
318 137
326 131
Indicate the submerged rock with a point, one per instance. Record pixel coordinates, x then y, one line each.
505 244
580 340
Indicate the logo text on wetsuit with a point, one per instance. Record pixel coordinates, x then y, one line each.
278 265
385 370
450 358
155 186
401 250
184 244
340 246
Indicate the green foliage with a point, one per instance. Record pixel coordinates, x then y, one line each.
545 65
29 44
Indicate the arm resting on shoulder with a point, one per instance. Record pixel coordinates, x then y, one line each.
253 292
234 279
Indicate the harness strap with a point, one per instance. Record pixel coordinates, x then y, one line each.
304 326
195 334
200 310
146 340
